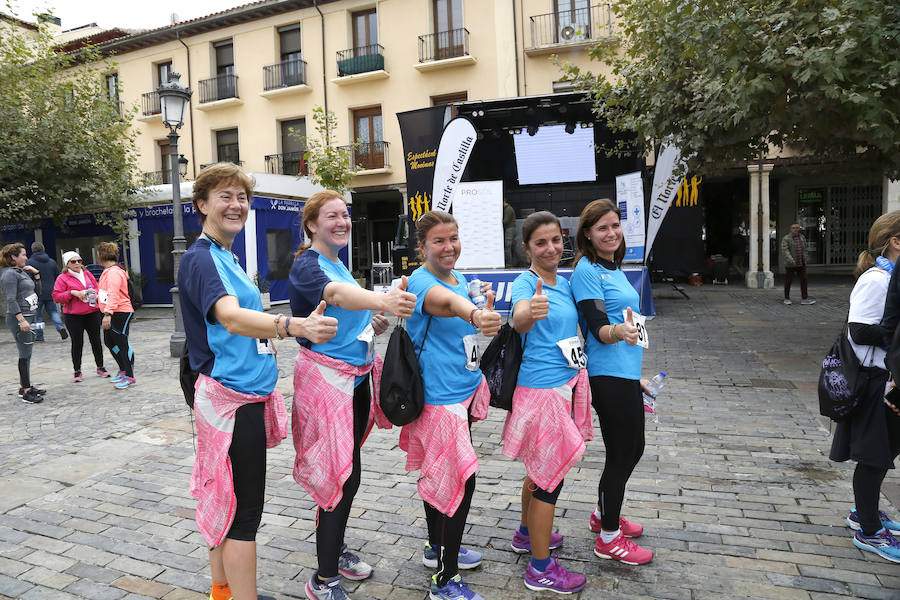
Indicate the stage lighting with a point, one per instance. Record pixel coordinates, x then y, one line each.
570 126
532 129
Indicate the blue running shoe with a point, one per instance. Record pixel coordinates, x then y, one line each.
882 543
117 377
468 559
454 590
853 521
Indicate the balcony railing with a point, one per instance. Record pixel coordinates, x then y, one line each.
239 163
443 44
360 60
218 88
571 26
289 163
284 74
370 156
150 104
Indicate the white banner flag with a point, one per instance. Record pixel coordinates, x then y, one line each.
630 198
453 153
663 190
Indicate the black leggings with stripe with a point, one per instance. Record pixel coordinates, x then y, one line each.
116 339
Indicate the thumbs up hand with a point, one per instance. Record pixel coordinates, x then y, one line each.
540 304
487 319
399 302
318 328
627 331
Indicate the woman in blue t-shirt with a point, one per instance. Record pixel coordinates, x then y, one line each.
332 398
540 429
606 300
444 330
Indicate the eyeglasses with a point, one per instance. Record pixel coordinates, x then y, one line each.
75 260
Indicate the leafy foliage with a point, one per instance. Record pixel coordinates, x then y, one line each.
65 146
330 166
728 79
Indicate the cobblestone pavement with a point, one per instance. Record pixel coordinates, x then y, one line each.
734 491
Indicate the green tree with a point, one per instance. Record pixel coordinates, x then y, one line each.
728 79
330 166
65 143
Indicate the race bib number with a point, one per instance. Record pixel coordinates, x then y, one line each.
264 346
368 338
573 352
103 295
640 321
32 301
473 352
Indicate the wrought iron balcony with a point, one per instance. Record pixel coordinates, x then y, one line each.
289 163
443 44
571 26
218 88
284 74
370 156
150 104
360 60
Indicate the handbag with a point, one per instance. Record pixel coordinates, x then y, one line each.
402 391
500 364
843 380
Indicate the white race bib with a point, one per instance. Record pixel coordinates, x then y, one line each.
32 301
103 295
368 338
573 352
473 352
640 321
264 346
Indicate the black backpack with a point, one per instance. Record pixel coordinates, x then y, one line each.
187 377
402 392
500 364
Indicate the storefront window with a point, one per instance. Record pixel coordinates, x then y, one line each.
836 221
279 253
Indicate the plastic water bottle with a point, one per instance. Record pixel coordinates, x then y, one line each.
92 297
656 384
475 294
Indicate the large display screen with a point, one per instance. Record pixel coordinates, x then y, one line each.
553 156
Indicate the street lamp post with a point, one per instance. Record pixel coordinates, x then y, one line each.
173 99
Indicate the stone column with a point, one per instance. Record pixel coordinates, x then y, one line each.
759 274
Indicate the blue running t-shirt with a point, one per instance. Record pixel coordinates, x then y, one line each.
207 273
607 283
543 363
443 360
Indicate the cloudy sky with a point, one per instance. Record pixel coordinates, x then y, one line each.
128 14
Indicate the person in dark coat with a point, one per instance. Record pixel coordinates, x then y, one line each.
49 270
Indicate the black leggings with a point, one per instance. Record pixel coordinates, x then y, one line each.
333 523
549 497
620 407
867 489
248 470
77 326
116 339
445 533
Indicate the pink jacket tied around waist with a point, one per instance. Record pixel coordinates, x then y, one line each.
547 429
322 422
211 481
439 445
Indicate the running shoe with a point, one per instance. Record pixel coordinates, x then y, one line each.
807 301
77 377
883 543
32 397
331 589
886 522
629 529
117 377
36 391
468 559
351 567
554 579
454 590
102 372
125 382
63 333
521 543
623 550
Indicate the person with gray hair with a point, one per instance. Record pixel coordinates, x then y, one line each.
49 271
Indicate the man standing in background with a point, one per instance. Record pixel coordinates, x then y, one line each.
509 233
793 254
48 269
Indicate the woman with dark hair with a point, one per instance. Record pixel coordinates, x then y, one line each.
239 412
870 435
333 407
605 301
21 284
444 330
551 388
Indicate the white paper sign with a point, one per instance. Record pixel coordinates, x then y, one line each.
630 198
478 208
640 321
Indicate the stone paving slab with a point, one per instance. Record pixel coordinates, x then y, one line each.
735 491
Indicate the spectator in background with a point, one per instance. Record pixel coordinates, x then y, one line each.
793 254
509 234
48 269
115 304
21 285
